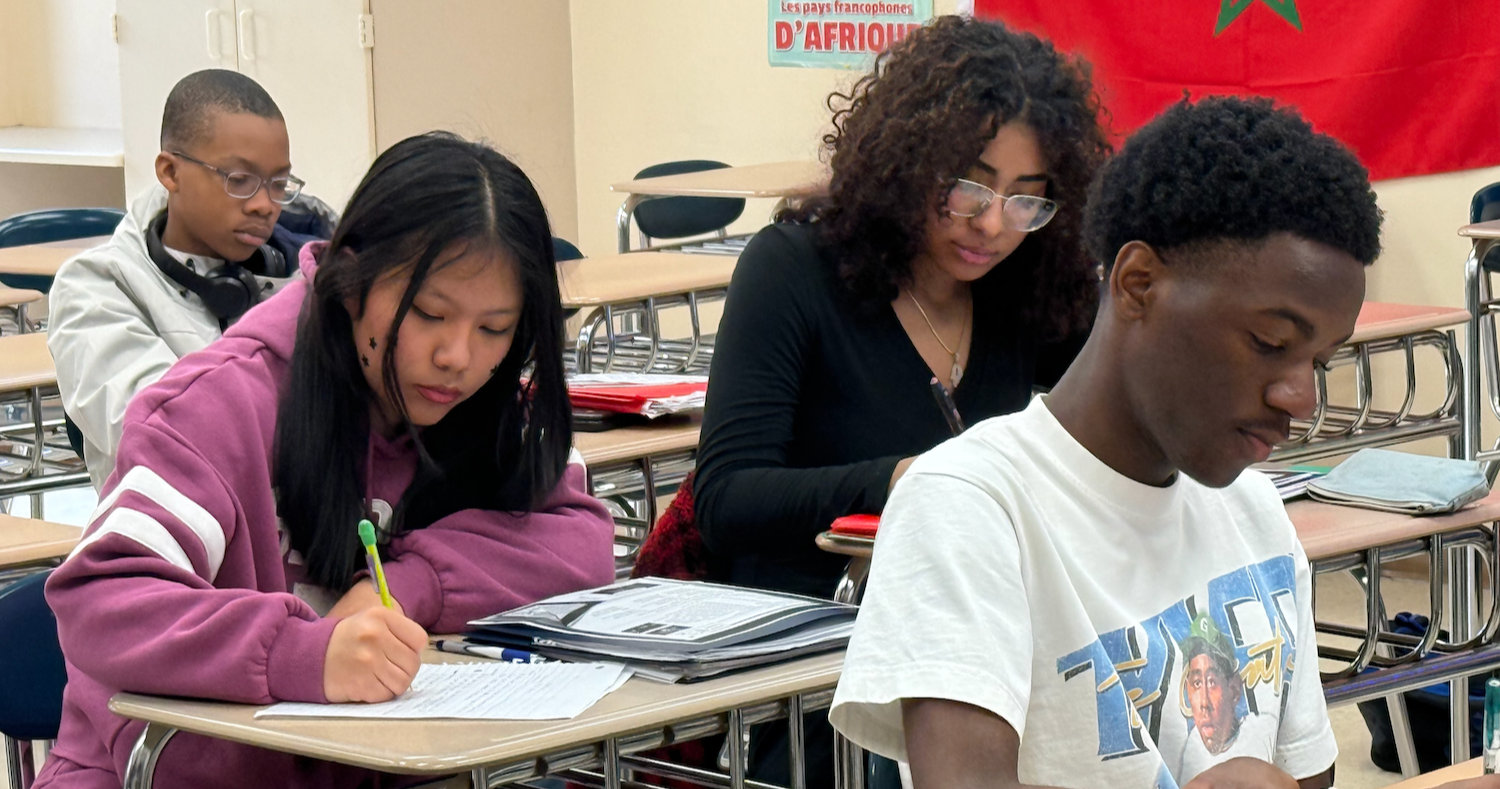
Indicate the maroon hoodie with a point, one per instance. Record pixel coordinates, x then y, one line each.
184 585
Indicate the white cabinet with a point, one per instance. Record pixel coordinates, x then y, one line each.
309 56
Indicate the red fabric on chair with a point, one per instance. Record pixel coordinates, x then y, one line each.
674 548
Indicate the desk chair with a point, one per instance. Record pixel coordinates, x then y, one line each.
562 250
681 217
54 224
31 664
1484 261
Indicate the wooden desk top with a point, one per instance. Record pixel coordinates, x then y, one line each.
618 279
43 260
430 747
1328 530
776 179
1490 229
1380 320
1473 768
1325 530
633 443
25 540
15 297
25 362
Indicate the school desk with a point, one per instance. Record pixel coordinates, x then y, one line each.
1393 331
640 716
43 260
628 467
27 376
15 301
783 180
1472 768
625 295
1347 539
1483 376
27 544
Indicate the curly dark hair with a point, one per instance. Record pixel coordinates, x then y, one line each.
1230 168
919 120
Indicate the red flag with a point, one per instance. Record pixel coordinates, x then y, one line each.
1412 86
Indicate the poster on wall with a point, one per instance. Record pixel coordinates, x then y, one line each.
838 34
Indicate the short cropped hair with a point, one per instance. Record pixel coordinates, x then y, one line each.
1231 169
198 97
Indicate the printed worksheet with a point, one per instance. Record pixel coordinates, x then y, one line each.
481 691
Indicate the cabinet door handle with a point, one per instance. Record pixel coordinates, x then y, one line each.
247 34
212 35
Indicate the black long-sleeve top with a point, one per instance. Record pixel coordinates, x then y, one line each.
815 396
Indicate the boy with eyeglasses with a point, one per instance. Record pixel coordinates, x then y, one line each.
219 234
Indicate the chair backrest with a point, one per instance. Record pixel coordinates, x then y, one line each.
680 217
562 249
58 224
31 662
1486 204
1484 207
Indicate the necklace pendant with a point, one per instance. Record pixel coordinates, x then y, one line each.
955 375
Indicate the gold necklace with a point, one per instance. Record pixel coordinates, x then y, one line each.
957 372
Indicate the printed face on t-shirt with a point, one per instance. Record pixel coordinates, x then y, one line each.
1213 697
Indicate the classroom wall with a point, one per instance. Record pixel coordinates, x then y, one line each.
58 68
29 187
501 70
58 65
1423 263
659 80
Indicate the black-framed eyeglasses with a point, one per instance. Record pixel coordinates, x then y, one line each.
282 189
1025 213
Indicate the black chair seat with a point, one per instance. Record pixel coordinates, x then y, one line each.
680 217
31 662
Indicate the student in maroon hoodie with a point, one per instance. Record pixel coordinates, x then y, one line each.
224 561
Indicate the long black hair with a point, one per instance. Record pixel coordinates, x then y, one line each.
505 447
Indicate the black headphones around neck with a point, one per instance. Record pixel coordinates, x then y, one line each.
228 291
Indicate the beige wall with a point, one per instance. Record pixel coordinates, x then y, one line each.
1423 258
28 187
58 68
58 65
1423 263
659 80
497 69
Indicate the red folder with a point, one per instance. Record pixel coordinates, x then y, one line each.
856 525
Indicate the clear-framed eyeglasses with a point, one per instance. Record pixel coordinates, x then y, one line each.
282 189
1025 213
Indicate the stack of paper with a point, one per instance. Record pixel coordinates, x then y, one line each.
481 691
1292 482
672 630
629 393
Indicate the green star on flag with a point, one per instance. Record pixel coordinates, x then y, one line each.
1230 10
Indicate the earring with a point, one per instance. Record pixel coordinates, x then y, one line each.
494 370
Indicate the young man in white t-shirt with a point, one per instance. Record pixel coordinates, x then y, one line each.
1089 593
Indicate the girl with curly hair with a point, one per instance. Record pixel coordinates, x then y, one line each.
947 248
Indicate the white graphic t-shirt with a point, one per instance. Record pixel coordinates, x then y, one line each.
1133 636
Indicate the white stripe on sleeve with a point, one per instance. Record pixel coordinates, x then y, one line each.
143 529
148 483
